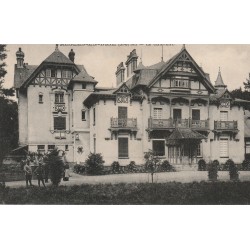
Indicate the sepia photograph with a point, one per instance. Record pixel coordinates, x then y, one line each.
124 124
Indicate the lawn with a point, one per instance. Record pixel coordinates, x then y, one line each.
174 193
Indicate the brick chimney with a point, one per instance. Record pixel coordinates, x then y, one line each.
120 73
20 58
131 62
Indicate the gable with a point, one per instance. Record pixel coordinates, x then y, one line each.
183 65
123 89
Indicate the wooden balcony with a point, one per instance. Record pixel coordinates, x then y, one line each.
155 124
226 125
118 123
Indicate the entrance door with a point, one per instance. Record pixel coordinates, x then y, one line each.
177 114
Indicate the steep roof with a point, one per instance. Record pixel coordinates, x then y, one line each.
58 57
83 76
219 80
22 74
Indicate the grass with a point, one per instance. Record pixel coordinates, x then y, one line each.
200 193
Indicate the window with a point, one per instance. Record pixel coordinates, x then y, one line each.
157 113
198 150
59 123
223 115
64 74
69 74
53 73
40 98
177 114
84 85
123 147
59 98
159 147
66 147
51 147
224 147
83 115
93 116
48 73
40 148
180 83
196 114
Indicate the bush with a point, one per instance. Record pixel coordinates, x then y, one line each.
55 165
213 170
116 167
246 165
233 170
79 169
94 164
166 167
202 165
131 167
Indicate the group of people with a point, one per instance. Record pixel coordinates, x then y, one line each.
40 170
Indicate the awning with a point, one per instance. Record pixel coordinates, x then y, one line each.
184 135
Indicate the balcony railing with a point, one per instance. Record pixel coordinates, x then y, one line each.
225 125
123 123
178 123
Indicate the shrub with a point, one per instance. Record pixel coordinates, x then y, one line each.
202 165
79 169
116 168
233 170
94 164
246 165
166 167
55 165
213 170
131 167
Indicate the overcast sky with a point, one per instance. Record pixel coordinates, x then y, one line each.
101 60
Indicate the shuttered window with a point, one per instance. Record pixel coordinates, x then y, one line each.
122 147
59 123
122 112
223 115
157 113
224 147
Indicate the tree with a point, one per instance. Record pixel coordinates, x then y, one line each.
55 164
152 163
8 112
94 164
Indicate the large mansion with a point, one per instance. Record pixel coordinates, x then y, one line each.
170 107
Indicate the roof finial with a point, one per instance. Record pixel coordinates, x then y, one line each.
162 52
219 69
56 49
183 46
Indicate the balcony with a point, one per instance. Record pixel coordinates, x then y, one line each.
157 124
226 125
121 123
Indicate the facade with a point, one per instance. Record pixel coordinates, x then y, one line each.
170 107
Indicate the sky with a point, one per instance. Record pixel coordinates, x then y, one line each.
101 61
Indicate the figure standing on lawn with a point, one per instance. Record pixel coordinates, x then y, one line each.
28 173
40 174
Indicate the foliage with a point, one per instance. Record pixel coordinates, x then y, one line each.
202 165
55 165
233 170
152 163
246 165
166 167
79 169
213 170
131 167
94 164
116 168
3 56
202 193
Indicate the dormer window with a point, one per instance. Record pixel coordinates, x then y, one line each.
59 98
69 74
64 74
180 83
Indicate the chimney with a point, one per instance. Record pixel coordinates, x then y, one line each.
20 58
131 62
72 55
120 73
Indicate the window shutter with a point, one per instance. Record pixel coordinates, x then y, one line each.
122 113
223 147
122 147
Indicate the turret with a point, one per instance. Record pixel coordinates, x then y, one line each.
219 84
72 55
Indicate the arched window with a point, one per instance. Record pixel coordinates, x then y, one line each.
40 97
